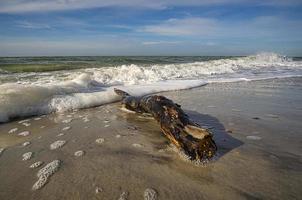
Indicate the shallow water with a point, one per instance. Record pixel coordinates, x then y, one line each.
266 168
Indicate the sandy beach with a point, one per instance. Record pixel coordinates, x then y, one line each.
111 154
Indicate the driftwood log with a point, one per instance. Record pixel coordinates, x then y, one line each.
197 143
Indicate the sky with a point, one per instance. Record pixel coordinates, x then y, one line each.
150 27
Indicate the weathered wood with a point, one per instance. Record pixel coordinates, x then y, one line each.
197 143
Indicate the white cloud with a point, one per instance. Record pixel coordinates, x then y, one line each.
30 25
259 27
160 42
183 27
20 6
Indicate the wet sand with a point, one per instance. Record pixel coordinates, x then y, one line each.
257 127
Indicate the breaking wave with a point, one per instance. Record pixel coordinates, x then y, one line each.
35 93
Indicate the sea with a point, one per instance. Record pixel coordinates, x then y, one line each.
40 85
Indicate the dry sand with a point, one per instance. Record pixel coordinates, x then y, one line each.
257 127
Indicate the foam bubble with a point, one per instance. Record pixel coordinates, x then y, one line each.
98 190
1 150
79 153
36 164
45 173
25 144
123 196
85 119
100 140
13 130
66 128
57 144
150 194
27 156
67 121
24 121
137 145
24 133
253 137
26 124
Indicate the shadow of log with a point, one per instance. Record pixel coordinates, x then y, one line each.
224 141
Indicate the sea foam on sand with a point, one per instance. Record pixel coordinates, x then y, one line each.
79 153
57 144
26 144
27 156
24 133
100 140
1 150
150 194
13 130
45 173
36 164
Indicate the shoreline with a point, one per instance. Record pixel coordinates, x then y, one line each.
256 126
135 90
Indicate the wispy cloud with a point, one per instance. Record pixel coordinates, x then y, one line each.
160 42
20 6
31 25
262 26
120 26
183 27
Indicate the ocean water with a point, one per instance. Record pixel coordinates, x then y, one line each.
40 85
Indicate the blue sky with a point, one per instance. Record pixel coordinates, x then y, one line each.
142 27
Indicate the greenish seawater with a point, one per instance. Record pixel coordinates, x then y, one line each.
44 64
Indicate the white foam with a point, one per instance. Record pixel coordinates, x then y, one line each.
24 121
45 173
136 145
85 119
26 124
124 196
67 121
72 90
150 194
36 164
26 144
253 137
66 128
100 140
57 144
98 190
13 130
27 156
1 150
24 133
79 153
